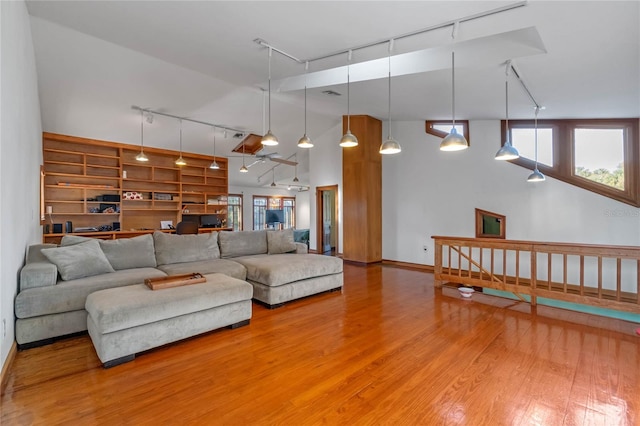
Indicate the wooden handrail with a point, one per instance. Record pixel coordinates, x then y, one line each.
598 275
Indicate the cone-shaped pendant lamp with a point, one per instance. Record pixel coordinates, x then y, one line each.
214 165
454 141
536 176
507 151
305 141
348 140
390 146
244 168
180 161
141 156
269 139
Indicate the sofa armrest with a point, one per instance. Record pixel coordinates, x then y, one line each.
301 248
38 274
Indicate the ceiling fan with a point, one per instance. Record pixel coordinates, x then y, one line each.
262 157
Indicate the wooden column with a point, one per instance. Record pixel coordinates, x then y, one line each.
362 191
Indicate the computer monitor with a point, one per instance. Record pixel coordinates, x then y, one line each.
210 221
274 216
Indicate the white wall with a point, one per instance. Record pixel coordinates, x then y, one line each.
427 192
20 157
325 168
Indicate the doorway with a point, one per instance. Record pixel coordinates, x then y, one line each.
327 219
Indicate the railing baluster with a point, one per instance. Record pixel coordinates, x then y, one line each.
618 278
517 267
481 266
581 275
469 261
599 277
492 263
460 260
504 265
549 271
449 259
564 273
534 275
638 283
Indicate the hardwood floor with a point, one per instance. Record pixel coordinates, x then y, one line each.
389 349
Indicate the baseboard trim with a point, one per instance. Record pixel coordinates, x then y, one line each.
7 365
407 265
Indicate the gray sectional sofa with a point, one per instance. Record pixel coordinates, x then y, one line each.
56 281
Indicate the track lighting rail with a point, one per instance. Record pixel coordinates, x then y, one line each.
406 35
231 129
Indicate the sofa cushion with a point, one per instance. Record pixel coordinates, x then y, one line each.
127 253
185 248
242 243
223 266
279 242
278 269
69 296
78 261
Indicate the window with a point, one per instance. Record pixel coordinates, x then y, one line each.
442 128
234 212
262 203
601 156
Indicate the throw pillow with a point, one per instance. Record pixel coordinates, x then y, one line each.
128 253
281 241
79 260
185 248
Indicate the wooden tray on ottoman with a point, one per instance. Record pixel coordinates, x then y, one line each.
174 281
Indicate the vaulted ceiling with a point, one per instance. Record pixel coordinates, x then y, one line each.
198 59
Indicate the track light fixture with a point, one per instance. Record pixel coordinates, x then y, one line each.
536 176
180 161
454 141
348 140
390 146
141 156
269 139
214 165
507 151
305 141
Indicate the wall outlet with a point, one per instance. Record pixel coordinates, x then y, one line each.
425 249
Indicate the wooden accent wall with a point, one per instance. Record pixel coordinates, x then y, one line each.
362 191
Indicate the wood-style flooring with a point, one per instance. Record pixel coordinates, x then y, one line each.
389 350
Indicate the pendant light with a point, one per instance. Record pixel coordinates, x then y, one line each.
244 168
273 177
295 176
269 139
214 165
305 141
536 176
141 156
390 146
180 161
348 140
507 151
454 141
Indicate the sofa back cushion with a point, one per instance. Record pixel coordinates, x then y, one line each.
242 243
122 253
129 253
79 260
281 241
185 248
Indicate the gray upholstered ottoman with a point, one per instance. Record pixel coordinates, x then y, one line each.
126 320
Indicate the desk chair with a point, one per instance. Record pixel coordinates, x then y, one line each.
186 228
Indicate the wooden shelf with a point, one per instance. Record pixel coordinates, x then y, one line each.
74 169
